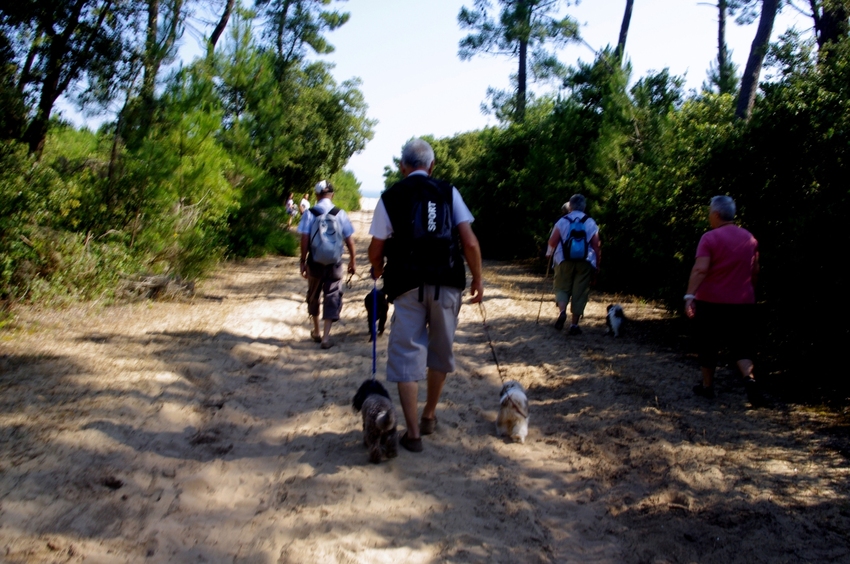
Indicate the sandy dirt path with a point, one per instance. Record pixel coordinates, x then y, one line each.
217 431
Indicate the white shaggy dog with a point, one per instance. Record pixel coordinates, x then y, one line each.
512 420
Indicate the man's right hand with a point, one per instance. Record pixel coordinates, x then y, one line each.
476 290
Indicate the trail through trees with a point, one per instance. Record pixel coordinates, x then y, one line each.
216 430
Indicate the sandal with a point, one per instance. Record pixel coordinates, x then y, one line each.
427 426
413 445
316 337
327 344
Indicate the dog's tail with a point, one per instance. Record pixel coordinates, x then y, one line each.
385 420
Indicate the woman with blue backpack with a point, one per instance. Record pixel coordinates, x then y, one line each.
576 252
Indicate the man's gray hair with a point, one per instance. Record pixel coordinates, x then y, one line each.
724 206
577 203
417 153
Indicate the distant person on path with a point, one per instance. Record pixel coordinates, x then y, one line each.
576 252
291 210
324 221
421 225
305 203
721 296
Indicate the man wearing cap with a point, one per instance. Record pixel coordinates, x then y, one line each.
321 278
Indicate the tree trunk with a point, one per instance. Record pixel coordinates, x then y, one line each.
222 23
24 78
723 68
51 85
830 21
815 6
523 21
624 30
750 78
151 56
521 81
156 48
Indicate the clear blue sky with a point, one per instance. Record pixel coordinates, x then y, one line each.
405 53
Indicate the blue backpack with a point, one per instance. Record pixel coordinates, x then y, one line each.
574 245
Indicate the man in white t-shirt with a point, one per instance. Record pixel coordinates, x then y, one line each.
426 298
573 277
321 278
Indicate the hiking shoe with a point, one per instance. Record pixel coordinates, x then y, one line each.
753 393
561 320
427 426
574 330
413 445
704 392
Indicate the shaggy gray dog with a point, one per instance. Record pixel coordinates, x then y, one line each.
379 420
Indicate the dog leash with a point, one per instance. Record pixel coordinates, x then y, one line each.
489 339
543 288
374 328
348 280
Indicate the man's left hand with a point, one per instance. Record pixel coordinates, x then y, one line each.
352 268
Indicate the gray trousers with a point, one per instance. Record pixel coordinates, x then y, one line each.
324 280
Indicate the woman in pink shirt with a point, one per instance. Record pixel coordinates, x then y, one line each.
721 296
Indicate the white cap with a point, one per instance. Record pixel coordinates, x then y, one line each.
323 186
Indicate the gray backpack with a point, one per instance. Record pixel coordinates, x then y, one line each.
325 236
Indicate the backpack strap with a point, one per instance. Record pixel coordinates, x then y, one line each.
567 234
317 212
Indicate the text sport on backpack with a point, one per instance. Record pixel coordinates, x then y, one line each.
574 245
325 236
433 248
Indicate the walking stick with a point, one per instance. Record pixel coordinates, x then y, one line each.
542 289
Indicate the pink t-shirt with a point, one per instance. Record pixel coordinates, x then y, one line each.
733 255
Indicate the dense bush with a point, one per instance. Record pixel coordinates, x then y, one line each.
650 159
41 259
180 179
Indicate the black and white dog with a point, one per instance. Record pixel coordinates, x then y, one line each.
379 420
383 307
614 319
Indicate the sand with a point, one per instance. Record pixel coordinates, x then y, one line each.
215 430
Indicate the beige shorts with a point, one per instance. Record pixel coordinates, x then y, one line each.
422 334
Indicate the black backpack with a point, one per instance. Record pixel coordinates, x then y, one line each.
425 249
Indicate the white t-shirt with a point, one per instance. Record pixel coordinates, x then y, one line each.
326 204
563 227
382 228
